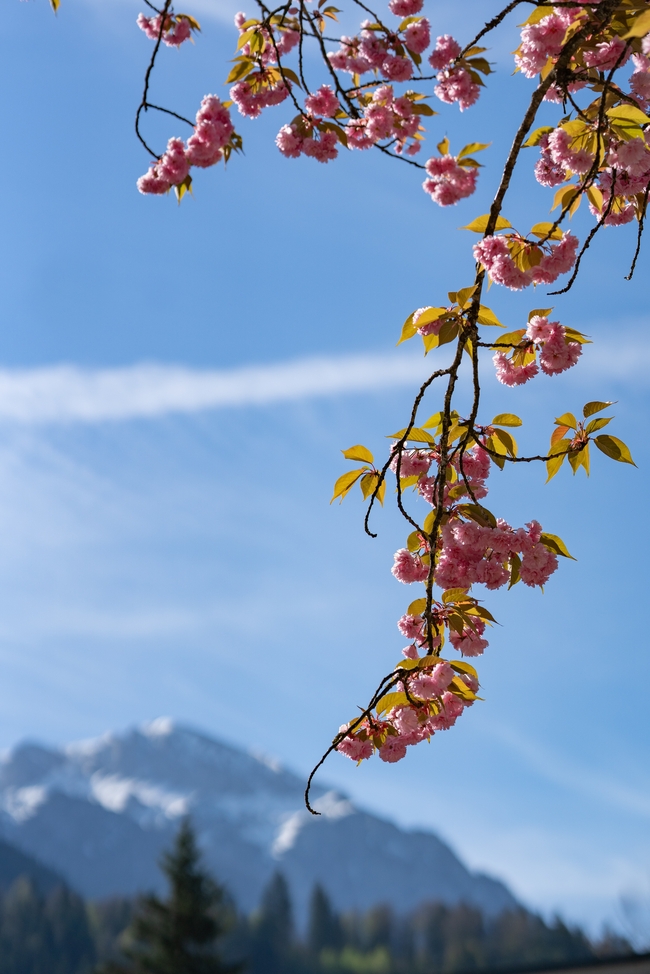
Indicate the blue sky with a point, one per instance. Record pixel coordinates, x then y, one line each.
175 385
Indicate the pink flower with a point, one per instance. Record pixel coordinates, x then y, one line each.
562 153
408 568
397 68
539 42
410 652
448 181
153 182
558 355
447 717
417 36
404 720
411 626
323 149
456 85
405 8
470 643
355 749
537 565
607 55
430 685
323 102
393 750
289 141
175 32
446 50
173 166
413 463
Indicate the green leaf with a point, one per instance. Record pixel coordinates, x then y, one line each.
414 541
409 329
536 137
567 419
463 296
416 435
488 317
556 544
558 452
462 667
391 700
433 421
515 565
506 419
595 407
612 447
640 27
454 595
598 424
479 225
629 114
368 484
543 231
345 482
479 514
358 453
507 440
473 147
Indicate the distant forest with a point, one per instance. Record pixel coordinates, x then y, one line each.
57 932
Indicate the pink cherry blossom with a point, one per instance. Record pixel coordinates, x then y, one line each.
393 750
448 182
323 102
405 8
445 52
417 36
355 749
409 568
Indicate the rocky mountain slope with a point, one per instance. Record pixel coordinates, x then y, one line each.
100 813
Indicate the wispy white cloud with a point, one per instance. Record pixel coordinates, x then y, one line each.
67 393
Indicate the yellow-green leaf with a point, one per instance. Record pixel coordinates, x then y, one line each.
346 481
612 447
479 225
443 147
506 419
567 419
417 607
536 137
454 595
487 317
462 667
473 147
358 452
540 313
640 27
416 435
392 700
598 424
507 441
556 544
546 230
628 114
463 296
595 407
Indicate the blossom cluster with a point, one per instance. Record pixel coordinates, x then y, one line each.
176 30
557 353
516 263
205 147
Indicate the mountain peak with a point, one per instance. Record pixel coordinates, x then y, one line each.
101 811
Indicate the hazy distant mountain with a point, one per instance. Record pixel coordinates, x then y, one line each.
14 864
100 813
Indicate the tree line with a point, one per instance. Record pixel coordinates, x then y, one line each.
196 929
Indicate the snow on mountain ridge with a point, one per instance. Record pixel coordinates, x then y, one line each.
101 811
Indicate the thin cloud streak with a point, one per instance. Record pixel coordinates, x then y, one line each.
67 393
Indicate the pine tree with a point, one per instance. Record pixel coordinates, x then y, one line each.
179 935
272 930
324 929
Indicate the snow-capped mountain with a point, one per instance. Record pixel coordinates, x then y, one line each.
100 812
